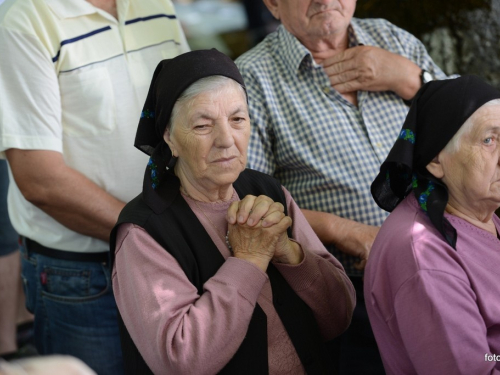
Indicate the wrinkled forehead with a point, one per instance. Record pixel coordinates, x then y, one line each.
208 98
485 118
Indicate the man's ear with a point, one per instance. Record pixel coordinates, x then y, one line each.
273 7
435 167
168 140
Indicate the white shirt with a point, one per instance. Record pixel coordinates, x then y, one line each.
74 80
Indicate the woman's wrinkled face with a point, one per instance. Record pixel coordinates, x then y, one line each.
472 173
210 137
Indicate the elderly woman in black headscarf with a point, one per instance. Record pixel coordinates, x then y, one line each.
215 269
432 281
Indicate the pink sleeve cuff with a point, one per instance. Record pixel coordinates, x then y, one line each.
303 275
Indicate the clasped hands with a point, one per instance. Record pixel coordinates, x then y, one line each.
258 232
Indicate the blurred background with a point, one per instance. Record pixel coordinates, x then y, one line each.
462 36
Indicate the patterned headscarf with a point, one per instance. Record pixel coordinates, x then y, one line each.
170 79
436 114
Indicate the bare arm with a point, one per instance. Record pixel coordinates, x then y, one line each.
69 197
348 236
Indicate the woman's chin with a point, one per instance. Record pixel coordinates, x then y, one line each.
224 177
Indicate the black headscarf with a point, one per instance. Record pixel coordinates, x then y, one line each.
170 79
436 114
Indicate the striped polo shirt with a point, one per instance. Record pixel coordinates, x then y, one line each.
74 80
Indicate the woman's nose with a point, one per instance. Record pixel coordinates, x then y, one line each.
224 137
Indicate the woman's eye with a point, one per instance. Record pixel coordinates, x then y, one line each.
488 141
201 127
238 120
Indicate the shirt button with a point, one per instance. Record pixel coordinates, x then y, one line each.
379 144
326 90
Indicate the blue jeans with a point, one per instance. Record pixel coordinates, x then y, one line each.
75 310
8 236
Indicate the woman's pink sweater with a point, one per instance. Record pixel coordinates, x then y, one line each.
179 331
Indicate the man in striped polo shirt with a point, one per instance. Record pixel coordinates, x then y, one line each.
74 76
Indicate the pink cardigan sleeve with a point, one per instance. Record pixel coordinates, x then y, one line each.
176 330
441 326
320 280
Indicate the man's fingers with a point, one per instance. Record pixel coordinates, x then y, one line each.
351 80
350 86
339 66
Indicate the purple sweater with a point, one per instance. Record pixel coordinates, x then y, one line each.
179 331
434 310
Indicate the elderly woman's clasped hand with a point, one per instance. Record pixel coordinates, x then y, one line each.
258 232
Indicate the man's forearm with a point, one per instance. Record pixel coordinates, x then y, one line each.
89 210
412 82
327 227
348 236
63 193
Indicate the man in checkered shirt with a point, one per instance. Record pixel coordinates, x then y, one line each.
328 94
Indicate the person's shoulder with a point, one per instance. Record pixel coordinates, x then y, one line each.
376 26
392 256
409 237
28 17
258 56
137 211
404 230
12 12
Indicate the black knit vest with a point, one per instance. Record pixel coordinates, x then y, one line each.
167 218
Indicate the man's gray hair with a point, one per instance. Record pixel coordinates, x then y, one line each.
207 84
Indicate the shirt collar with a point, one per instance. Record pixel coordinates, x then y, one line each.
291 49
358 36
71 8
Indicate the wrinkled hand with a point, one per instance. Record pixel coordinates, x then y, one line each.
358 241
287 251
370 68
251 209
253 239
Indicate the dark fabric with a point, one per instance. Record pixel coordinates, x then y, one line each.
358 341
65 255
437 112
170 221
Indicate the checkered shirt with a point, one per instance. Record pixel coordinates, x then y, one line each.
323 149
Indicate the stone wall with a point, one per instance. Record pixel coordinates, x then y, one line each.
462 36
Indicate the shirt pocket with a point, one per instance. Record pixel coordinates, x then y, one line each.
88 102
